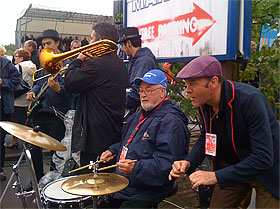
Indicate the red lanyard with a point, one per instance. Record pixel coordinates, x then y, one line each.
211 118
141 121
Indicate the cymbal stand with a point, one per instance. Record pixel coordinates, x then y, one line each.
94 202
18 183
94 166
32 169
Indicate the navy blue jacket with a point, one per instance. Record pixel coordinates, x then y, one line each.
254 135
139 64
160 140
10 79
61 101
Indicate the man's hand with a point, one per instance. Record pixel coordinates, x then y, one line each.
105 155
125 167
203 178
83 57
179 167
0 81
30 96
54 84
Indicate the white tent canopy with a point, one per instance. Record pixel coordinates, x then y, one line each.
37 18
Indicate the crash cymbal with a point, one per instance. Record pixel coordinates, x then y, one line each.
86 185
27 134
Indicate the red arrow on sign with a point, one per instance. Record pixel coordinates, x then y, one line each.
192 25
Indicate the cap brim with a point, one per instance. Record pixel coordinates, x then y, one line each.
128 38
56 39
138 81
183 76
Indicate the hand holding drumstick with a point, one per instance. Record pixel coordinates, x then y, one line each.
125 166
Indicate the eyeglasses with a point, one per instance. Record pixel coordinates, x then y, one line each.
147 91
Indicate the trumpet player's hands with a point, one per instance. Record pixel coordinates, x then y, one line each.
179 167
107 155
83 57
125 167
30 96
54 84
203 178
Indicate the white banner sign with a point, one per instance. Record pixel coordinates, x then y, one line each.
180 28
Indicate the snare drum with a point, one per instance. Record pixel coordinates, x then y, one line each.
54 197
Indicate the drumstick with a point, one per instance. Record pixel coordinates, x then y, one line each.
113 166
83 167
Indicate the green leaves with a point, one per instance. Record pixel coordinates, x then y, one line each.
176 92
10 49
264 65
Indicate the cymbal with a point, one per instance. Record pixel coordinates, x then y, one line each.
86 185
27 134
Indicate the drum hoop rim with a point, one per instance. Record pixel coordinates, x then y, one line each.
77 199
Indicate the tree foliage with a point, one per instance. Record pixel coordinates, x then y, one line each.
10 49
263 66
176 92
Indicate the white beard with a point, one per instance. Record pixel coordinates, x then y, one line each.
148 106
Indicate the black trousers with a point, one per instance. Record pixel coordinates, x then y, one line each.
3 117
52 126
20 116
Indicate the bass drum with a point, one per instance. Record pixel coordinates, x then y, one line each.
54 197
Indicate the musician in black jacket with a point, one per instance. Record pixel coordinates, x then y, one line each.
55 96
101 86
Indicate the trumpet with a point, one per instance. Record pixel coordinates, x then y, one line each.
52 61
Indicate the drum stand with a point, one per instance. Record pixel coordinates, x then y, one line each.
94 202
21 193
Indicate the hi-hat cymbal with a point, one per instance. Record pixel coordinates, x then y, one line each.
86 185
27 134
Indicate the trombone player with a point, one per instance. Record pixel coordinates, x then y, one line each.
101 85
55 96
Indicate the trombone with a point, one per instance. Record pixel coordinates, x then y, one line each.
52 62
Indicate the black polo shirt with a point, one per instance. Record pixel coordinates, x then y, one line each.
225 154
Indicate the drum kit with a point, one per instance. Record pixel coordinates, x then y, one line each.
69 192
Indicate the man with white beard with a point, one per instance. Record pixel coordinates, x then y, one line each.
155 136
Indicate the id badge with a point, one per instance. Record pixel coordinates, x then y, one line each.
211 144
124 152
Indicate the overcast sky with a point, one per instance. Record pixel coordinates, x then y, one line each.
11 10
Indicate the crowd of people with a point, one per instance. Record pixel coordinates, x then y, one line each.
65 43
239 130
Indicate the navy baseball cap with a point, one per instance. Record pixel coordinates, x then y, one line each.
153 77
128 33
201 67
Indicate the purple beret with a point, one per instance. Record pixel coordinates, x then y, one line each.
201 67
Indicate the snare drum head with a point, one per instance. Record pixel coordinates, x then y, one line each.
53 191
